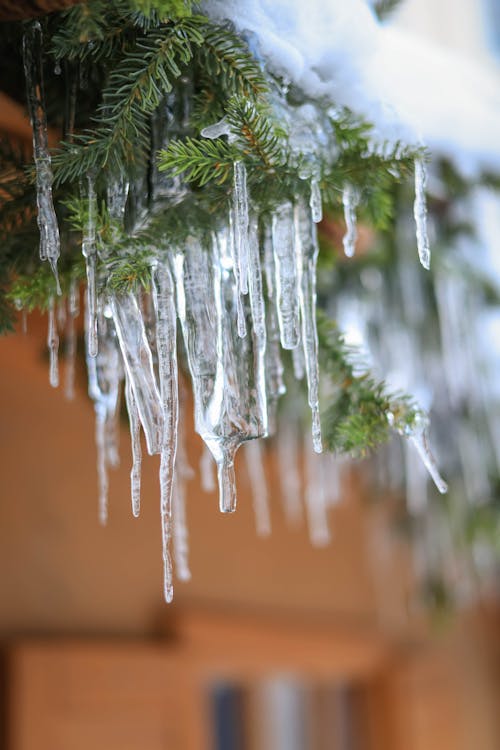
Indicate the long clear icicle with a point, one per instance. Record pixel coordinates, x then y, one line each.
258 486
420 213
183 474
47 220
275 386
307 255
138 362
53 345
287 285
73 313
350 200
417 435
89 250
135 437
166 329
240 212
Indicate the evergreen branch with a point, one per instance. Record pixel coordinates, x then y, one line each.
361 414
135 89
226 58
199 160
257 134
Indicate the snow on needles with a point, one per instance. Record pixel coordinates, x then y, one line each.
409 88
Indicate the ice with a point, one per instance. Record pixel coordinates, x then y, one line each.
255 282
116 198
241 225
315 201
73 313
227 371
315 498
417 436
166 330
288 445
207 471
217 129
135 436
47 219
307 255
53 345
183 474
275 385
420 213
89 250
258 486
104 375
138 363
350 200
287 285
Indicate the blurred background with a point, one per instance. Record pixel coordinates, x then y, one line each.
273 643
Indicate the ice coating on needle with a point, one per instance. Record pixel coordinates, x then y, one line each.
287 286
47 219
419 440
89 250
350 200
135 438
307 255
138 362
166 346
53 345
216 130
258 485
420 214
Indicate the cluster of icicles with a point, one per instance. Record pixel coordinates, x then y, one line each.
240 294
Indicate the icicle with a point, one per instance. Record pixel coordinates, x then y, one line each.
315 202
102 466
47 219
53 345
307 255
138 363
89 250
116 199
183 473
287 288
61 312
316 506
232 264
420 213
241 221
275 386
418 437
104 373
255 282
227 371
350 199
258 485
166 328
298 362
206 471
135 436
288 457
73 312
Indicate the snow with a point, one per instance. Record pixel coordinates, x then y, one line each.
408 87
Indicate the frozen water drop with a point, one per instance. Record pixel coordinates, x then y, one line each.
53 345
315 202
350 200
